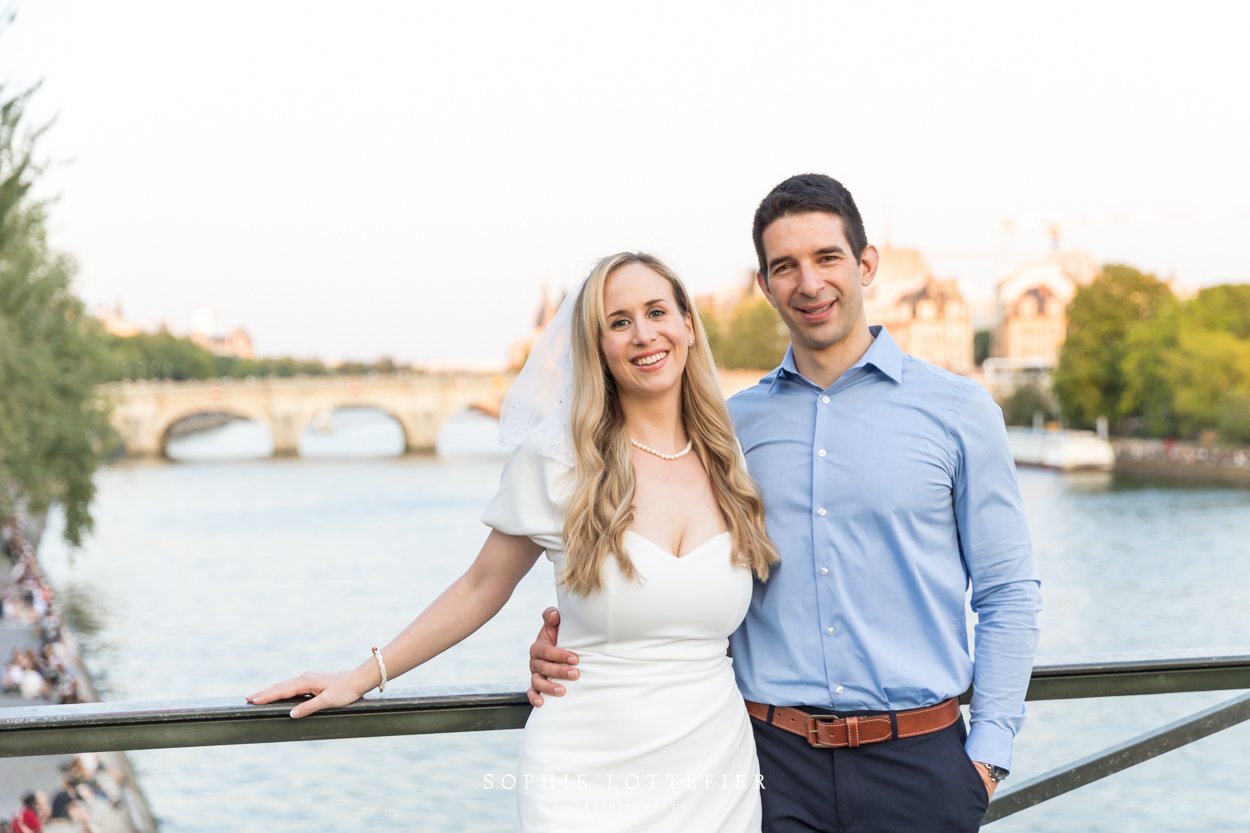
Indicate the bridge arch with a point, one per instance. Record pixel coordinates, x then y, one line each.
313 422
165 431
419 403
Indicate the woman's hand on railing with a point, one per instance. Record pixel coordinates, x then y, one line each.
327 690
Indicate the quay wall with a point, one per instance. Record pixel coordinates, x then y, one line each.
1189 462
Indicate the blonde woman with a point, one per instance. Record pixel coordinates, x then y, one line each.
628 476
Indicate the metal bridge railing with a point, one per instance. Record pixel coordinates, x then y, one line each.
98 727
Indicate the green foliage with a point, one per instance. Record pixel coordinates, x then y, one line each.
168 357
1147 400
383 365
158 356
712 328
1224 308
1210 375
752 338
1233 417
1090 380
1154 365
53 423
1026 401
981 340
284 367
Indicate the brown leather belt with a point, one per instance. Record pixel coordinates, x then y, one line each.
827 731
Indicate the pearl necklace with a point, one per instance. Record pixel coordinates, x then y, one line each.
661 454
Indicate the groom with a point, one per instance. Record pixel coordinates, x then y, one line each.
889 490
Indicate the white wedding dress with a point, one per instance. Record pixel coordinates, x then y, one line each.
653 736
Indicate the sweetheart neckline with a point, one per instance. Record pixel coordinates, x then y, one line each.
689 553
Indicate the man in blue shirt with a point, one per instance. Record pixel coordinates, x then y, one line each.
889 490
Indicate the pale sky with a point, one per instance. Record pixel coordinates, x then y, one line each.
351 180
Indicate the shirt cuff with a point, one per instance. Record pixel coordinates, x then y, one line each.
990 744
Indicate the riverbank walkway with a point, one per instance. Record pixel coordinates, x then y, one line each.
19 776
121 809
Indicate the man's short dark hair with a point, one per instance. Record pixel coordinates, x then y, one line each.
803 194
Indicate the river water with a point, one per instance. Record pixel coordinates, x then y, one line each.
214 577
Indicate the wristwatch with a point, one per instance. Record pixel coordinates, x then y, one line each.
996 773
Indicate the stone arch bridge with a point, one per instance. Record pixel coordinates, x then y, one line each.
144 412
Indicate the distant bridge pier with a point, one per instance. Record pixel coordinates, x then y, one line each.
421 430
286 428
146 443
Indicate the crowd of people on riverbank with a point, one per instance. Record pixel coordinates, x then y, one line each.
45 671
1184 453
89 790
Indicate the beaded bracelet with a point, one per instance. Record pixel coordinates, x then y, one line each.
377 655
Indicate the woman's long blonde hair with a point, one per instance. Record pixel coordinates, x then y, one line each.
601 508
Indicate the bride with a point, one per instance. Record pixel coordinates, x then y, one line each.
629 478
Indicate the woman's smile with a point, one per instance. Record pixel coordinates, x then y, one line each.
651 361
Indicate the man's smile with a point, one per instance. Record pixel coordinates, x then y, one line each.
815 313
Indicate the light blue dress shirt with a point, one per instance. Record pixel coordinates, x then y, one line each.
887 494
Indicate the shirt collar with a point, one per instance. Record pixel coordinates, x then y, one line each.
884 354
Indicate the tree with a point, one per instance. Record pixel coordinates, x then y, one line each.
1234 417
752 338
981 341
158 356
1210 375
165 356
1027 401
712 329
1090 380
53 423
1225 308
1147 402
1187 369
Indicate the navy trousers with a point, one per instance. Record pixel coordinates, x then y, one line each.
924 784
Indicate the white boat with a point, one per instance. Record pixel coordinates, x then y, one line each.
1062 450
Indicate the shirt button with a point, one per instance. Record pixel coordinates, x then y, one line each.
831 630
821 453
839 690
824 571
822 511
824 399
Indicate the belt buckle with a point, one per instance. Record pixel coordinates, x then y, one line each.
814 722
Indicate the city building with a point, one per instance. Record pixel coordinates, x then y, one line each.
236 344
1033 307
115 324
520 349
927 316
